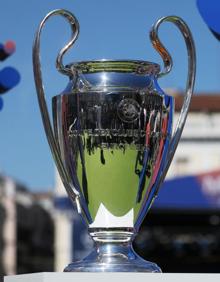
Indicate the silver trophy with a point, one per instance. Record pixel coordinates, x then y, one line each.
112 142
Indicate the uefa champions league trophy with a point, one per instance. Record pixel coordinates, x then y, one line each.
112 142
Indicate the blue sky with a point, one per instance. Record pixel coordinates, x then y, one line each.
108 29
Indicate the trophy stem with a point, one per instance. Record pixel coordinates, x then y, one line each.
113 252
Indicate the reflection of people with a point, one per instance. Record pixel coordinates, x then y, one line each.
210 11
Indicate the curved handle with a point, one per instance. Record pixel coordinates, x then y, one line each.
189 85
72 192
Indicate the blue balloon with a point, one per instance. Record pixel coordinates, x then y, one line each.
9 78
210 12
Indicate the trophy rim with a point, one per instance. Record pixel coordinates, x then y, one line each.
138 67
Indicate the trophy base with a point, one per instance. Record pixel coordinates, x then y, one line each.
113 254
119 265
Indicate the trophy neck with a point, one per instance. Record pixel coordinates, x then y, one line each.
112 235
112 247
114 252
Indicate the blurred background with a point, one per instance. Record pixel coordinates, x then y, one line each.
39 228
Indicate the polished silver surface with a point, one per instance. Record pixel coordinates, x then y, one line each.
112 142
114 125
71 191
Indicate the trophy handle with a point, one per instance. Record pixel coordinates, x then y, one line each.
71 191
189 84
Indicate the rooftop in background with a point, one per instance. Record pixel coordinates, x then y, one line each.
201 102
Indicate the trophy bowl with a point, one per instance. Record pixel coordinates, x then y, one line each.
112 142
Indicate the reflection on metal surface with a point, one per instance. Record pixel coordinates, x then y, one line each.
112 143
94 141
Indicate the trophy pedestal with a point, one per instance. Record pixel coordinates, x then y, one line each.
100 277
113 256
